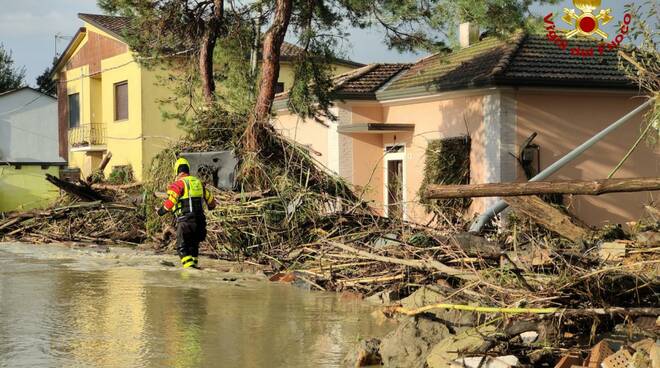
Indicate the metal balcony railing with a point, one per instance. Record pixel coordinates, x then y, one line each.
87 135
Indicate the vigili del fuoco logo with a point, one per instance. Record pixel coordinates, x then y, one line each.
585 23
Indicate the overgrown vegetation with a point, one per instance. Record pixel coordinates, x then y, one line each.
447 162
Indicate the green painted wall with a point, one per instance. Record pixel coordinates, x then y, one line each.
26 188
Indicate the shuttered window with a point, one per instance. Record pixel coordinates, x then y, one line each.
121 101
74 110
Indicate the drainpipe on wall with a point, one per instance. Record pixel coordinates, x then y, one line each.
501 205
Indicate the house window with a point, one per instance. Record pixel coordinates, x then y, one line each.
121 101
279 87
74 110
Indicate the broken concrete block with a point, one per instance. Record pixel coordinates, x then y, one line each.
597 354
612 251
620 359
568 361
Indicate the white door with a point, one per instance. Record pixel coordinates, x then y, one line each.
394 182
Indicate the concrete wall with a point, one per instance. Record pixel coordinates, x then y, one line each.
28 127
566 119
25 188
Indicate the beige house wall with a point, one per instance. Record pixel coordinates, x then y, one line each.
306 132
497 120
436 119
564 120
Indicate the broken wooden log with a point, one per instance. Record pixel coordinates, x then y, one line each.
100 169
581 187
84 192
428 264
547 216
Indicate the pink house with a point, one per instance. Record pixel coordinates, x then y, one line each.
497 92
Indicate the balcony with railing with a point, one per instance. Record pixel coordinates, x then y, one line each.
87 137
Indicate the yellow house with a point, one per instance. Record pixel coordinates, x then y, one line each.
109 103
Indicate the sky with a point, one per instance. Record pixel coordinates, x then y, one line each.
29 27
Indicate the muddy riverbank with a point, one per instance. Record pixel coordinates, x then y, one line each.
82 307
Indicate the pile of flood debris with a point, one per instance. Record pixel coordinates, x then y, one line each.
519 291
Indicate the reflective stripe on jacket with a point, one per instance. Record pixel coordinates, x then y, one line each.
186 195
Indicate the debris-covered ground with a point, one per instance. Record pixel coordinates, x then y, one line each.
519 292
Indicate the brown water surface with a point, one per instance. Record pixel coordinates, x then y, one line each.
79 308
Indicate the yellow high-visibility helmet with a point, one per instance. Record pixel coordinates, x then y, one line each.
178 163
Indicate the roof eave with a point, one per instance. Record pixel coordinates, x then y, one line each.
96 24
75 41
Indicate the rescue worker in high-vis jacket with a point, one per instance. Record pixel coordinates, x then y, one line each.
185 199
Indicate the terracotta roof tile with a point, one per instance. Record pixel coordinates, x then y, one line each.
372 78
117 26
521 60
361 83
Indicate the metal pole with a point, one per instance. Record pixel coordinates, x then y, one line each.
501 205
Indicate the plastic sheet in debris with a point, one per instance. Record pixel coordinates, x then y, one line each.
218 167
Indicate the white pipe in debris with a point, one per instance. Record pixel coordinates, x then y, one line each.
501 205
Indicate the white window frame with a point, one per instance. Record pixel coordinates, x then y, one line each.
394 156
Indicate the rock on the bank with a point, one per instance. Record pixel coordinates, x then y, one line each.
365 353
409 344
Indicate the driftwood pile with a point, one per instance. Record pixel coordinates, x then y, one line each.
113 216
527 273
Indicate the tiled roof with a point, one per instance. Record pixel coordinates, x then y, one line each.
364 82
529 60
361 83
464 68
539 62
112 24
117 26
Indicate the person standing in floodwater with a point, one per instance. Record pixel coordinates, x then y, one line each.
185 199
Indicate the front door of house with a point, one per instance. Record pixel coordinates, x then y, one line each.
394 182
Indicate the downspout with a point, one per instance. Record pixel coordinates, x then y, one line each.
501 205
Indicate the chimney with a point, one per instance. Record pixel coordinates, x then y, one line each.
468 34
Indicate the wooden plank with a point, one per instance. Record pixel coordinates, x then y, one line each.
547 216
581 187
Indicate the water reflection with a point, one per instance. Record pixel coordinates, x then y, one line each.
53 315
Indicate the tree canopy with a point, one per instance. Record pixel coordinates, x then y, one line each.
45 83
11 76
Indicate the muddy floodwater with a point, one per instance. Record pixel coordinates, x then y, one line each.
62 307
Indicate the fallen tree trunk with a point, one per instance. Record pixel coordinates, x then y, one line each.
581 187
82 191
547 216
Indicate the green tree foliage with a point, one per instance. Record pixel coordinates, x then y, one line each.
163 28
45 83
11 77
